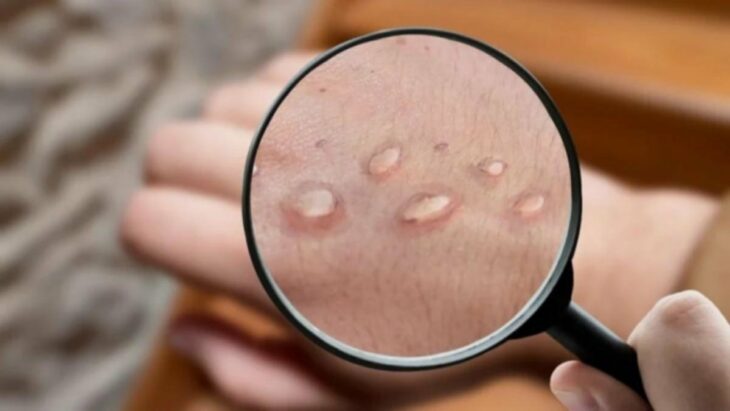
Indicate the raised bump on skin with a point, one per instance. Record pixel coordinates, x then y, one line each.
313 206
384 162
529 204
427 208
315 203
492 167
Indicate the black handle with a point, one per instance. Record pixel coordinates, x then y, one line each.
597 346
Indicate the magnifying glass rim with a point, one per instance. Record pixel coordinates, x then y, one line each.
389 362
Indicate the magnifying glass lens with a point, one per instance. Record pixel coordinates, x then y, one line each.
411 196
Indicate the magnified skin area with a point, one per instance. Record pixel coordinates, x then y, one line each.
375 183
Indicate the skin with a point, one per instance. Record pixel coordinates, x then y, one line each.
385 268
194 169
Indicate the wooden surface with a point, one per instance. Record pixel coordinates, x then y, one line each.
644 89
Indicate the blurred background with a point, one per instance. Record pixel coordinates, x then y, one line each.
83 83
643 85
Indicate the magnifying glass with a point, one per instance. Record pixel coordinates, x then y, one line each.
412 200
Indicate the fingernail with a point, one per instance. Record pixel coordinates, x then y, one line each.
577 400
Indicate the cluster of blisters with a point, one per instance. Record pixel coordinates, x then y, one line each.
316 206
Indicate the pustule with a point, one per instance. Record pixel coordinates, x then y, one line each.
491 167
313 207
315 203
489 171
428 209
384 162
529 204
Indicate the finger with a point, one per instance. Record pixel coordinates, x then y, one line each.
243 104
194 236
282 68
581 388
198 155
200 239
247 373
683 346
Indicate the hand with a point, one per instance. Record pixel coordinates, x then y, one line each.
683 346
187 220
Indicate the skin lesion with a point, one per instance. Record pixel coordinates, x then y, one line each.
419 187
491 167
428 209
313 208
528 205
384 162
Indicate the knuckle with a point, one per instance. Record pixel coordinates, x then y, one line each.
131 220
283 66
157 149
273 66
219 100
215 100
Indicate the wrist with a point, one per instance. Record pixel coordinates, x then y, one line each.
634 246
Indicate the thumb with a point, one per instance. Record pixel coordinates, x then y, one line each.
580 387
683 346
